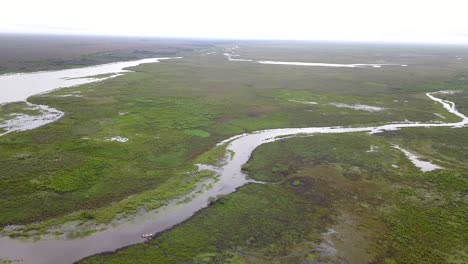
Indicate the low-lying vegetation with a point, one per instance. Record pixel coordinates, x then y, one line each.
351 194
378 213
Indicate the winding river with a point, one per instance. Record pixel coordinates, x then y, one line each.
230 175
18 87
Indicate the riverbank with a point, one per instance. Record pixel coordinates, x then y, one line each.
230 179
192 104
335 203
32 53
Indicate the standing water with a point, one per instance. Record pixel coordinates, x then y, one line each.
19 86
230 175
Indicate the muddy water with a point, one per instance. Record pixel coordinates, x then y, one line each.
22 122
319 64
229 54
18 87
416 160
231 177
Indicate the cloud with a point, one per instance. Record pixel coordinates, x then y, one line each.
45 28
375 20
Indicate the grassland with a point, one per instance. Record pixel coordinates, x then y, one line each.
381 214
173 114
29 53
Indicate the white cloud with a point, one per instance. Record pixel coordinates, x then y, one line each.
386 20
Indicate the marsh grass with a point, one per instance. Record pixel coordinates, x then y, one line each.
385 214
173 114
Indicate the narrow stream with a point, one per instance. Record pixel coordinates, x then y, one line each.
229 54
231 177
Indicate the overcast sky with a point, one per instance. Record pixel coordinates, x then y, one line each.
443 21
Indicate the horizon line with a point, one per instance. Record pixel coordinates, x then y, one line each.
362 41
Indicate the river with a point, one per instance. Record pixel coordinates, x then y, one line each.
231 177
17 87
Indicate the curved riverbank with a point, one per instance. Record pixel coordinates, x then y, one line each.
231 177
18 87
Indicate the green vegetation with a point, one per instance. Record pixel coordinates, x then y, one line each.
30 53
84 60
213 156
9 110
175 187
197 133
174 112
380 213
232 227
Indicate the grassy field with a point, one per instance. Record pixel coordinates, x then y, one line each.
174 112
29 53
378 213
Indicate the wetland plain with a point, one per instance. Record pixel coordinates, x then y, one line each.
125 154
